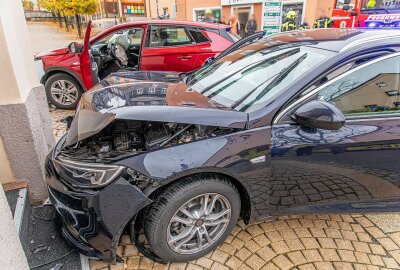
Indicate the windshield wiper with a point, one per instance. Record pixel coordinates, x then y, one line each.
277 80
266 62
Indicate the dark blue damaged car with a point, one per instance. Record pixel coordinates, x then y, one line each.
300 122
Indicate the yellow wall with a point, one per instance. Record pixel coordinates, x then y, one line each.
185 7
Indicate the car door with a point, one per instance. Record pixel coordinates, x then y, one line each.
355 168
169 48
89 68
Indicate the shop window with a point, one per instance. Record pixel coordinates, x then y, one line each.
134 9
200 15
362 92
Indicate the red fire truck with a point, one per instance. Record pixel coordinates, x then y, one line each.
366 13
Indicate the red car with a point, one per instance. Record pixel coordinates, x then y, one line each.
163 45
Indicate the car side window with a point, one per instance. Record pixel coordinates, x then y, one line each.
134 35
168 36
197 35
369 90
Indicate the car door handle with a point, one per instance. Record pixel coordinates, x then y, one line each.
185 57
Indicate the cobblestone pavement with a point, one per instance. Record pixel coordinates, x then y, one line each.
296 242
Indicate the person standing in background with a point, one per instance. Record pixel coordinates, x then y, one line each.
251 26
234 22
223 20
209 17
289 24
323 21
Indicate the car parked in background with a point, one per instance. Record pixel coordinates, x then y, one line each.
301 122
162 45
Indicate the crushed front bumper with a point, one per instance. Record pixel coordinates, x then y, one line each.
92 221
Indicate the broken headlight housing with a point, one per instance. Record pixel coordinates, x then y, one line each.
87 175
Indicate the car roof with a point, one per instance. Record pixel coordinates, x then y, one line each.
337 39
117 27
175 22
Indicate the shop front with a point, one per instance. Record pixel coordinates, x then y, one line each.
120 8
242 9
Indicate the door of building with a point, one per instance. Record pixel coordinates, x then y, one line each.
243 14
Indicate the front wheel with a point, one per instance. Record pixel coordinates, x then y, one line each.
192 218
63 91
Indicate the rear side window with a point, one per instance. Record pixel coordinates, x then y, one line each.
168 36
197 35
373 89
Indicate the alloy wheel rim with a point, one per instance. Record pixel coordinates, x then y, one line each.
199 223
64 92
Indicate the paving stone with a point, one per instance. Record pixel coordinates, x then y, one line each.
376 260
294 244
361 247
270 266
262 240
344 244
297 258
233 263
324 266
243 254
377 249
329 255
347 255
266 253
312 255
282 262
310 243
219 256
362 257
204 262
390 263
388 243
327 243
375 232
255 262
280 247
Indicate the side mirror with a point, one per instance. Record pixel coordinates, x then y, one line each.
319 114
75 47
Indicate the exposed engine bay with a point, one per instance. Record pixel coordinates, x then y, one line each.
125 138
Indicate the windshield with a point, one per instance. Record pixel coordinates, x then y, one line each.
380 5
253 75
340 4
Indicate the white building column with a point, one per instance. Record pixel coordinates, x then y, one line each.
25 127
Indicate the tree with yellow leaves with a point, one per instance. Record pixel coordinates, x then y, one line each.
70 8
27 4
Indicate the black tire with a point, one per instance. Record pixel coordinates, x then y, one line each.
63 77
173 198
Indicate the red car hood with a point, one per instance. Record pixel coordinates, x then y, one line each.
53 52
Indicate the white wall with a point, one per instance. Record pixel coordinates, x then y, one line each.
17 69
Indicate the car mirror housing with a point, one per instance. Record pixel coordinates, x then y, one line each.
75 47
319 114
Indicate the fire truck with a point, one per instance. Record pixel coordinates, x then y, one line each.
366 13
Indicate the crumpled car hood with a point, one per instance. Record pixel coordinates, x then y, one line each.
148 101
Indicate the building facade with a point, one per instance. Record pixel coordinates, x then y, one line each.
136 9
307 10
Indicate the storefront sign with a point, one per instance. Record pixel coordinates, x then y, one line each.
238 2
272 16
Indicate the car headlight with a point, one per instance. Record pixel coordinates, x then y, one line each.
87 175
